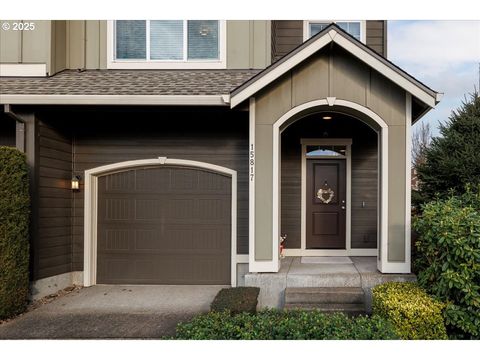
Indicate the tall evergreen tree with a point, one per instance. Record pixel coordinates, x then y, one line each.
453 160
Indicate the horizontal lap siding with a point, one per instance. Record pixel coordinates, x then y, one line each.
286 36
219 138
376 36
54 248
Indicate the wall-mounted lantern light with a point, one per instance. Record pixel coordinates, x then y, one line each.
76 182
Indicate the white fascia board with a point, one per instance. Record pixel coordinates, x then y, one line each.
23 70
205 100
334 36
279 70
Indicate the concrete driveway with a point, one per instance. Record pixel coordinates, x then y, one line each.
113 312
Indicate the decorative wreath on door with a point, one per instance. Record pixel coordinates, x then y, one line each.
325 195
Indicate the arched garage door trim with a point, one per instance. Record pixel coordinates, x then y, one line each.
91 205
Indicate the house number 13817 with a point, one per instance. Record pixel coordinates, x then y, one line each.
252 162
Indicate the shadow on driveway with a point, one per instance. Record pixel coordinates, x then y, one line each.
113 312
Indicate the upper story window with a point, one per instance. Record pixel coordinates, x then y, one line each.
355 28
167 44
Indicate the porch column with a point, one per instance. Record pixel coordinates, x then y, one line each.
395 242
263 252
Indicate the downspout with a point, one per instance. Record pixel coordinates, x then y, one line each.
19 127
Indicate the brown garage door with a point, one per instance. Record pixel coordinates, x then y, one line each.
164 225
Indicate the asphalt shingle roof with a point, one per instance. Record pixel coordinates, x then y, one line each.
129 82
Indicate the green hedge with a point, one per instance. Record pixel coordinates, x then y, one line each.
447 259
236 300
413 313
285 325
14 221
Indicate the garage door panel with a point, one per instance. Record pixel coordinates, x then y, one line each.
164 226
172 270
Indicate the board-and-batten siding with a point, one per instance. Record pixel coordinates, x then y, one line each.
288 34
364 177
219 138
54 242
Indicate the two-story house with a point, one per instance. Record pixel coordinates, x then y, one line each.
181 152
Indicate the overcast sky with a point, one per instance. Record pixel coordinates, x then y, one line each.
444 55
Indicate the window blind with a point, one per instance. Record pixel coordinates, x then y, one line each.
203 39
130 39
166 39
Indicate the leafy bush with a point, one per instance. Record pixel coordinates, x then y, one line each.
448 259
284 325
236 300
453 160
14 220
414 314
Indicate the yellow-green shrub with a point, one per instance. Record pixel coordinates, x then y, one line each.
413 313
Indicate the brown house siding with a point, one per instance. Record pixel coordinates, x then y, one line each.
288 34
377 36
215 137
364 177
98 137
54 243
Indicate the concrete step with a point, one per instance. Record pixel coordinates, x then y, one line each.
350 309
324 295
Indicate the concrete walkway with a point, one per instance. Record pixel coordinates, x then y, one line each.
328 272
113 312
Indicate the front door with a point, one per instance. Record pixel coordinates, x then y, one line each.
326 204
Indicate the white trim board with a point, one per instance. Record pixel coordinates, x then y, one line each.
91 206
26 70
334 36
348 216
202 100
382 261
220 63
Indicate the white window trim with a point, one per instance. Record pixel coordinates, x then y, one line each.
363 28
113 63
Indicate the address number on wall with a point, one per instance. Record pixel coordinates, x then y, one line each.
252 162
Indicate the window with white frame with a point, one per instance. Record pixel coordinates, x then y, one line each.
354 28
163 43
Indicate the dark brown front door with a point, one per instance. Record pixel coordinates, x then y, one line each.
166 225
326 203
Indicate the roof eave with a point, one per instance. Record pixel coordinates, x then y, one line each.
179 100
333 34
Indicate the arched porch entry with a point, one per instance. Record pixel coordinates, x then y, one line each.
295 114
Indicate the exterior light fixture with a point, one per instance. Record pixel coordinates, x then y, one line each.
327 118
76 182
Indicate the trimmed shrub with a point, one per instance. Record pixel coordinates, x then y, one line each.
285 325
14 221
447 259
413 313
236 300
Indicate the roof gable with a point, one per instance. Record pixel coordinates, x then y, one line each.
333 34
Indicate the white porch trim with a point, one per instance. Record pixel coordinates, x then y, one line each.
91 206
397 76
382 263
27 70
